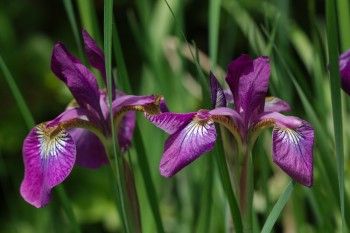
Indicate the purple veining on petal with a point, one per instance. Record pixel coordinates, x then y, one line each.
344 65
228 96
48 160
80 81
187 144
248 80
293 151
217 94
274 104
171 122
90 150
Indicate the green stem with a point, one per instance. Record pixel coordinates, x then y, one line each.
226 183
246 191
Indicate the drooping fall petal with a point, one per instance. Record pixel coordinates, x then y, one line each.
171 122
292 146
48 157
188 143
80 81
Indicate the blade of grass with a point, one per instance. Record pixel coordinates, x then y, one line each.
277 209
147 178
73 23
333 54
30 124
89 19
343 10
108 20
27 116
214 25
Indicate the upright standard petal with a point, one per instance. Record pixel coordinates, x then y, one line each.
248 80
80 81
218 98
94 54
292 147
49 155
187 143
344 65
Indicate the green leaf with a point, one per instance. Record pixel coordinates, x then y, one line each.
277 209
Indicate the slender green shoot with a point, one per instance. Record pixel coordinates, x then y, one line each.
71 16
333 53
108 20
277 209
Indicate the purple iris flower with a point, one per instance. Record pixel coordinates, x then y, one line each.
192 134
79 133
344 65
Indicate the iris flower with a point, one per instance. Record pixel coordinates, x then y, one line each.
78 134
192 134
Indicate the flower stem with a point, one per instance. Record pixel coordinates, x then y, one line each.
246 191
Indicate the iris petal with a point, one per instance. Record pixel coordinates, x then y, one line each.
186 145
292 151
90 150
344 65
217 94
80 81
248 80
171 122
48 157
274 104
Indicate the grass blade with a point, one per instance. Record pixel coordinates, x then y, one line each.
108 20
214 25
276 210
333 53
17 95
73 23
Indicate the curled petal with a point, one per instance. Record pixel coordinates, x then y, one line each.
248 80
187 144
80 81
344 65
292 149
49 155
90 150
228 96
217 94
274 104
171 122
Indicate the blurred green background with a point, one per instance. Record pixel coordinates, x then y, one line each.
154 49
